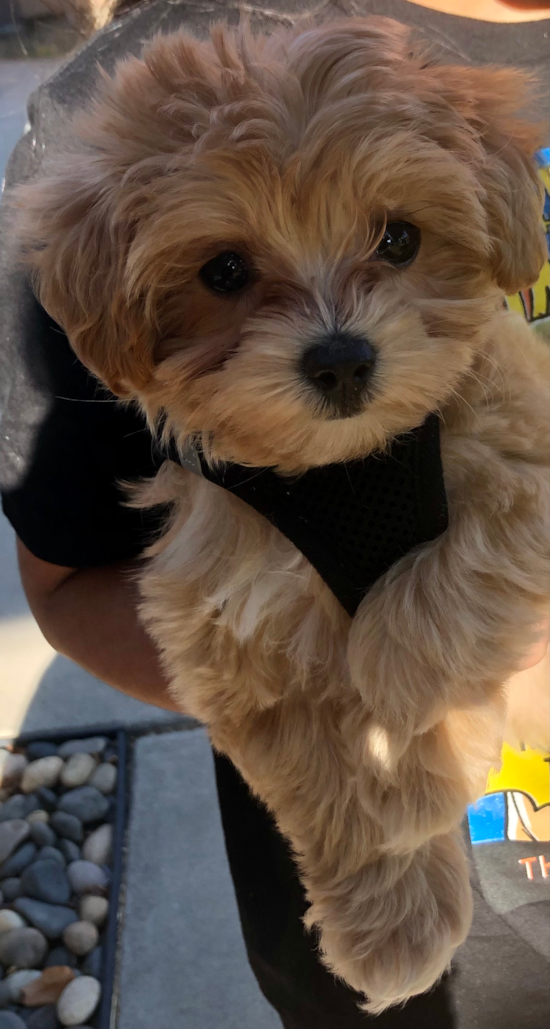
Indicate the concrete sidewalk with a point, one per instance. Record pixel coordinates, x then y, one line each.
183 961
182 964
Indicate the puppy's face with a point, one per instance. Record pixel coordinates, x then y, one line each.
290 245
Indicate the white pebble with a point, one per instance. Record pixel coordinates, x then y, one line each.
10 920
80 937
38 816
97 847
77 769
44 772
78 1000
94 909
104 778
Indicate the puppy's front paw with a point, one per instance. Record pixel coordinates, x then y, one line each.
412 649
395 679
390 931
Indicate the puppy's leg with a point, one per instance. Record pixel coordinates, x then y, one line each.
449 624
391 927
390 901
429 652
390 930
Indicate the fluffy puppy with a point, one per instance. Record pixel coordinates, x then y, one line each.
230 203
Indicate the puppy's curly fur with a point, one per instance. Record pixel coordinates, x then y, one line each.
368 737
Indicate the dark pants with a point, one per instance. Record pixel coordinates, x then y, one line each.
282 954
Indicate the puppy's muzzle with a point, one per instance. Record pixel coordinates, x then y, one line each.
340 369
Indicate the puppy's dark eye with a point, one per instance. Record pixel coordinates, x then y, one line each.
225 273
400 243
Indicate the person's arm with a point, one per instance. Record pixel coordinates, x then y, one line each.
90 615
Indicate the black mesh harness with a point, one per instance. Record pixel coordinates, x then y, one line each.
352 520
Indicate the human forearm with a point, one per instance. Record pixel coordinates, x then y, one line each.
90 615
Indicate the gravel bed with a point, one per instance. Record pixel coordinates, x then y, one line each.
58 833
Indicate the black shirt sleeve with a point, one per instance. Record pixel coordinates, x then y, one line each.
66 446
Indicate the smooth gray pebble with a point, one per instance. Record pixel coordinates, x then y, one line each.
43 1018
60 956
93 962
85 877
46 797
11 889
69 849
19 860
9 1020
18 806
46 880
85 803
91 745
67 825
53 853
42 834
24 948
40 748
51 919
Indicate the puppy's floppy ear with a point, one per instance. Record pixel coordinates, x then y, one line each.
497 105
82 225
78 244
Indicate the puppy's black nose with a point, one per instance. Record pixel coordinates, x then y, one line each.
340 368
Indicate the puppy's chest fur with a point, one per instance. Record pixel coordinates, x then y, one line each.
236 608
244 621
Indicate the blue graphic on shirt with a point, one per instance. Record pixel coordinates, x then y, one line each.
542 158
487 819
